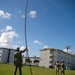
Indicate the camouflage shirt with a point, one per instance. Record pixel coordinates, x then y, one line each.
57 65
18 57
62 65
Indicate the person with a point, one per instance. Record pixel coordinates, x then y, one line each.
57 67
18 60
62 69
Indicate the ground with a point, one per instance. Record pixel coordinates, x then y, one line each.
7 69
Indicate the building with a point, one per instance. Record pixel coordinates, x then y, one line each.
49 56
33 60
6 55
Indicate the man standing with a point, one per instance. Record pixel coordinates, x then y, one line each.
18 60
57 67
62 69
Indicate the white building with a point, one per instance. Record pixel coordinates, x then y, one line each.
33 60
6 55
49 56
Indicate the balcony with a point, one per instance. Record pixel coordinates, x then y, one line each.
51 54
50 59
50 64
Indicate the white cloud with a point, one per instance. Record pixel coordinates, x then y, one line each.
4 15
6 38
69 51
37 42
8 28
46 47
32 14
22 47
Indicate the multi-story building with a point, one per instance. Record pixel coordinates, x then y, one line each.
49 56
33 60
6 55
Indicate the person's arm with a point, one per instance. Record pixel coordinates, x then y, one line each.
24 50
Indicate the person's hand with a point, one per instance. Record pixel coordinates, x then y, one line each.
26 49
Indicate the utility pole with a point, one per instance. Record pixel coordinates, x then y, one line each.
67 47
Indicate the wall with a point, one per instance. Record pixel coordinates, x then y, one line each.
11 59
4 56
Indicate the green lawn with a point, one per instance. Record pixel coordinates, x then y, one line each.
7 69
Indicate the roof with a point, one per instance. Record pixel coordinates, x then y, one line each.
7 48
57 50
47 49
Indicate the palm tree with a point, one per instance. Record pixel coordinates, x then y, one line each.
28 61
36 61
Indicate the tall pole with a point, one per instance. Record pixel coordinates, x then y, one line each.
26 34
25 28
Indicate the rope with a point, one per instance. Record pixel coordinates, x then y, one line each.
26 35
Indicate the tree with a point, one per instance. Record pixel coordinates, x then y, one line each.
28 60
36 61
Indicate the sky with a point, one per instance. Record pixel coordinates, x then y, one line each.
49 24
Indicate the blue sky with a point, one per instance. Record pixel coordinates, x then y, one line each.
50 24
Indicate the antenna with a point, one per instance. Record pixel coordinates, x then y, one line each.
67 47
26 34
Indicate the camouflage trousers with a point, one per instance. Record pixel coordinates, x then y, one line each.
62 72
57 71
18 66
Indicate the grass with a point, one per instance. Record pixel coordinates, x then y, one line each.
7 69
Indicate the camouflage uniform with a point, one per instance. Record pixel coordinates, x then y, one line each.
62 68
18 61
57 68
